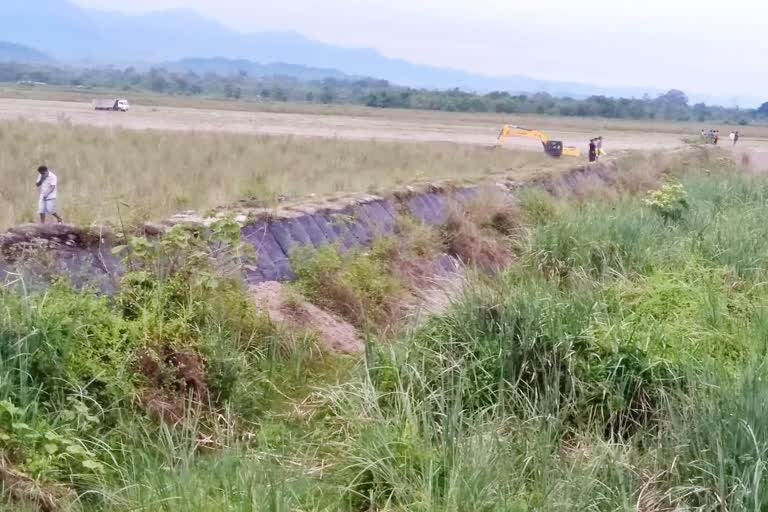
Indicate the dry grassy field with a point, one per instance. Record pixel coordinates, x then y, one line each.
153 173
352 123
16 100
202 153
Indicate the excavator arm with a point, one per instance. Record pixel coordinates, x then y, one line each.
509 130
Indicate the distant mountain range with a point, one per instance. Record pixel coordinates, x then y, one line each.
227 67
10 52
75 35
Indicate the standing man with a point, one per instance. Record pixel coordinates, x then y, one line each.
48 183
592 150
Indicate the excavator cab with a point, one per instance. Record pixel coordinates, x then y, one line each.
553 148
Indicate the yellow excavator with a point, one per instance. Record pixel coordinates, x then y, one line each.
553 148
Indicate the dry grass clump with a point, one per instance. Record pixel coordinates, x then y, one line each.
468 234
636 174
23 489
632 174
113 174
412 253
496 210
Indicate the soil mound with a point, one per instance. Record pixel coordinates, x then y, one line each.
289 309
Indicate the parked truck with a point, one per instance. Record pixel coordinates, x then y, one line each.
117 105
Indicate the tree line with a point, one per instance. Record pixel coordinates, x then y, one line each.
673 105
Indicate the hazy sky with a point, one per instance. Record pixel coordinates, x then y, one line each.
706 46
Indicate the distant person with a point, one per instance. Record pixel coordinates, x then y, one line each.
735 138
598 147
592 151
716 137
48 183
732 136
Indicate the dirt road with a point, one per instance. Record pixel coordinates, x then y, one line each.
462 130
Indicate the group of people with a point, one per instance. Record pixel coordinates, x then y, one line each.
713 136
595 148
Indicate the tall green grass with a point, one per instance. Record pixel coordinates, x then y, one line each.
620 365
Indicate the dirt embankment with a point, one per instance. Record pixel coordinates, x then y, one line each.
351 222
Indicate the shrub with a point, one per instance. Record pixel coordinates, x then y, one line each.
670 201
354 284
72 362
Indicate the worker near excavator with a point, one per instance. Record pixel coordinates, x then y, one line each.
48 183
592 150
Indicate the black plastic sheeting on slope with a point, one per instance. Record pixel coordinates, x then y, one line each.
351 216
273 240
438 203
326 229
290 234
340 224
380 221
95 268
271 262
353 226
466 193
313 231
423 210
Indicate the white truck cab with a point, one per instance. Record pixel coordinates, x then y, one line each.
122 105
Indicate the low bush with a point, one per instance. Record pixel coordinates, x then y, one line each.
354 284
73 363
669 201
464 239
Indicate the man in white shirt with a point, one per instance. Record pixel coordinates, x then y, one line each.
48 183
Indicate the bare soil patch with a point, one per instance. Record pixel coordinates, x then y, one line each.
290 310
